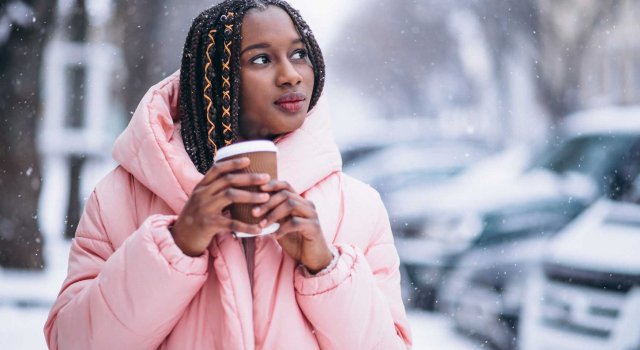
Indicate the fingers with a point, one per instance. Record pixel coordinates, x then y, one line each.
226 224
284 192
234 180
297 224
288 207
224 167
233 195
274 201
276 185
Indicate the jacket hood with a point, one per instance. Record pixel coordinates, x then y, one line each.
151 147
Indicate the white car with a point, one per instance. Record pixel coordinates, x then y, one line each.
586 292
414 163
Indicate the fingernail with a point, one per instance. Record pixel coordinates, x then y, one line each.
263 223
256 211
264 196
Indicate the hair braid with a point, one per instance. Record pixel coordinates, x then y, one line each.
213 74
227 132
209 76
196 97
185 95
235 76
238 9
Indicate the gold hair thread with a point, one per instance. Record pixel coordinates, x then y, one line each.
226 85
212 128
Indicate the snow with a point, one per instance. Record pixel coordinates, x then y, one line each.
16 12
604 120
19 13
604 238
37 287
436 331
22 328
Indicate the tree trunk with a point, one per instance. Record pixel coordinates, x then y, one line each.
139 23
20 61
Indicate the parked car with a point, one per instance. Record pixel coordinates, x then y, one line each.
433 225
412 163
586 292
351 154
484 292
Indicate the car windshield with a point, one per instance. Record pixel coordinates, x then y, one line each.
416 178
590 155
520 221
415 163
632 193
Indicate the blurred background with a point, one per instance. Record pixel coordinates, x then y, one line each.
503 136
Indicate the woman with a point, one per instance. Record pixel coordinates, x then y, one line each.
141 277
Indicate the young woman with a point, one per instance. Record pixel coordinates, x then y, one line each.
154 264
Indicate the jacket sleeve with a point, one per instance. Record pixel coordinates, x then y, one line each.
358 304
129 298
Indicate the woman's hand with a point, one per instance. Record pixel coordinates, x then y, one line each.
299 234
201 218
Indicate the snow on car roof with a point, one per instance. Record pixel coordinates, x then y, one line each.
603 121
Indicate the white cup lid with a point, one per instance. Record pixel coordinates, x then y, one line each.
245 147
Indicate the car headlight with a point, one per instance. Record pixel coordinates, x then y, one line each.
452 228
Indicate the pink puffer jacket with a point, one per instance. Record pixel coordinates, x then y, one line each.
130 287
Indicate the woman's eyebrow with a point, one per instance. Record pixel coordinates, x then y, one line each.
255 46
266 45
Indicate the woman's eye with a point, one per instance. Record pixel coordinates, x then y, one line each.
260 60
298 55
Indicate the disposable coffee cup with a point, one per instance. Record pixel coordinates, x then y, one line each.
263 155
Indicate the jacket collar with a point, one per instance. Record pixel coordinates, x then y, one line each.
151 148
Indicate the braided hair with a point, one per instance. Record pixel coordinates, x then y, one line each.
209 76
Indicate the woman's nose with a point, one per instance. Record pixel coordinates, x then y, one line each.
288 75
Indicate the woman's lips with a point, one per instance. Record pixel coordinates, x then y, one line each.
291 106
291 101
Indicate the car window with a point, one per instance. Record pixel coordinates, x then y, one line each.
517 222
587 154
611 160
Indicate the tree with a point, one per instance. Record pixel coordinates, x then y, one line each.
561 33
402 54
567 28
21 55
152 35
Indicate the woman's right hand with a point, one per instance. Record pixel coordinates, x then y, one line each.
201 218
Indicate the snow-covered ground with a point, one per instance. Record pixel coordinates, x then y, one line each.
436 331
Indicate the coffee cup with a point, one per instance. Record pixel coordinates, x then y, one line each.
263 156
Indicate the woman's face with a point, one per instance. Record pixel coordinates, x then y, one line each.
276 77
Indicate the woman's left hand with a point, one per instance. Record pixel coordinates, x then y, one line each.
299 234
